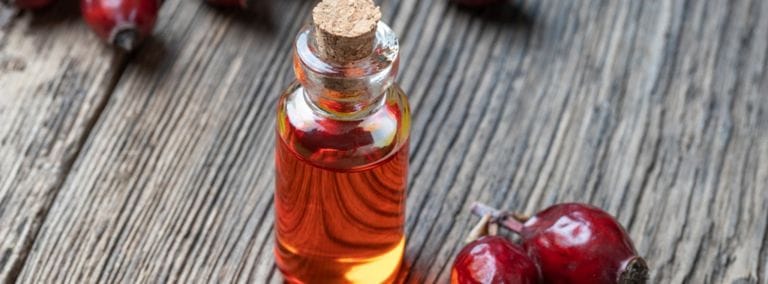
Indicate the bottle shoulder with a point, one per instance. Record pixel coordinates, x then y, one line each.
329 142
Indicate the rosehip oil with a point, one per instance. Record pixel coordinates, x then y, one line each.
340 225
341 157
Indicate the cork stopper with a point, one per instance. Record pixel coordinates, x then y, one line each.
345 30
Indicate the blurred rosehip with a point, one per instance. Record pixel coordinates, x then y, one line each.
123 23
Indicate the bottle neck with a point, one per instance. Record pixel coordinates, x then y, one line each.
347 90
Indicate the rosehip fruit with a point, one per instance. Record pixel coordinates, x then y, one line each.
29 4
576 243
123 23
493 259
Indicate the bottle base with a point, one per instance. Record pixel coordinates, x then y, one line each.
302 268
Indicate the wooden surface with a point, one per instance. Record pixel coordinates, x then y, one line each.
157 166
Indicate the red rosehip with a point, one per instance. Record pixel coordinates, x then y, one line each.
124 23
493 259
578 243
30 4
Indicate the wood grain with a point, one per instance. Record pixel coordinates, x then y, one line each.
54 79
176 182
656 111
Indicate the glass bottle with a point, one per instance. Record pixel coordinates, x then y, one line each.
342 166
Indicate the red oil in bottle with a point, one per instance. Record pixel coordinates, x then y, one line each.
341 157
340 202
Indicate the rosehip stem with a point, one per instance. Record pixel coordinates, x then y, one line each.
503 218
480 230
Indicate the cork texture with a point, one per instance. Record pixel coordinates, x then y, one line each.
345 29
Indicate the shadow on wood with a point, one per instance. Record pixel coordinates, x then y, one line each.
407 271
151 56
59 12
259 16
505 13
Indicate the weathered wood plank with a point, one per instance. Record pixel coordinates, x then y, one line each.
173 184
594 125
54 79
654 110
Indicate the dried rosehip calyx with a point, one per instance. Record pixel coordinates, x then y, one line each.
577 243
492 259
